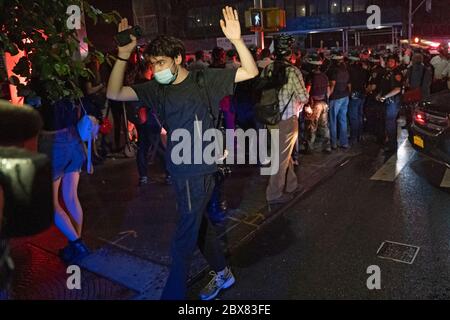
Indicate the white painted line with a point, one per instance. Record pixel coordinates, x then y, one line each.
403 244
392 168
116 245
446 180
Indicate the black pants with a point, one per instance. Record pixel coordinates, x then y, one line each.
375 114
193 228
117 113
148 136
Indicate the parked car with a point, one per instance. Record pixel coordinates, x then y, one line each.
430 130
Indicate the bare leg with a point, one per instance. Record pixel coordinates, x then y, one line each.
70 196
62 220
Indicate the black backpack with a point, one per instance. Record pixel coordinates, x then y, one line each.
266 90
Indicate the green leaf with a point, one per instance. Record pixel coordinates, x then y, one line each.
100 56
46 71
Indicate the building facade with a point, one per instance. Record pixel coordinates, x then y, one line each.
315 23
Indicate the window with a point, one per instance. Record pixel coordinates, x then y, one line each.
301 8
322 7
360 5
347 5
312 8
335 6
289 6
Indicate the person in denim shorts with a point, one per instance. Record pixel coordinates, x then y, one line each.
61 142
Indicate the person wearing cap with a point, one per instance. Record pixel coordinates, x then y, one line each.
390 95
359 78
326 62
316 113
292 96
339 99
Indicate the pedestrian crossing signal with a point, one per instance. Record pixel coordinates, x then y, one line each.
267 19
254 19
257 18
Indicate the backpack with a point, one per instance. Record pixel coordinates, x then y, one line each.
266 90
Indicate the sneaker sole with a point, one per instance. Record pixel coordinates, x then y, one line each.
226 285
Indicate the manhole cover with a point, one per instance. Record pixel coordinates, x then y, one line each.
398 252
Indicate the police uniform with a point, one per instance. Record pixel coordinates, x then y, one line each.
390 80
374 109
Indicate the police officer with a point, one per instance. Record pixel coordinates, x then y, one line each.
374 109
391 89
359 77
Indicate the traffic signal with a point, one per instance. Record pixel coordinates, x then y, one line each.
275 19
267 19
254 19
257 18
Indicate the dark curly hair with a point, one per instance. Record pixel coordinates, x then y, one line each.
166 46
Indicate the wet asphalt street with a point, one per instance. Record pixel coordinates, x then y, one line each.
321 248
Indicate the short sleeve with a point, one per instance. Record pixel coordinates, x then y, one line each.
397 81
221 81
146 92
333 75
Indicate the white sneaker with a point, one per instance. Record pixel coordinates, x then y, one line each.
217 283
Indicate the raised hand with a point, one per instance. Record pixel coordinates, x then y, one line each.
128 49
230 24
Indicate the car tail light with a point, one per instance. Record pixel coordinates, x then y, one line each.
420 118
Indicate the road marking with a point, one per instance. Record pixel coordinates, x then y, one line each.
392 168
446 180
124 234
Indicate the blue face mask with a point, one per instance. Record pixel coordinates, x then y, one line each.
166 76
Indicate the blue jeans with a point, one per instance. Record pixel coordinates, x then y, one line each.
338 117
193 228
392 108
356 116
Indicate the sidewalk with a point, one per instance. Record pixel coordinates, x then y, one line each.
130 228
